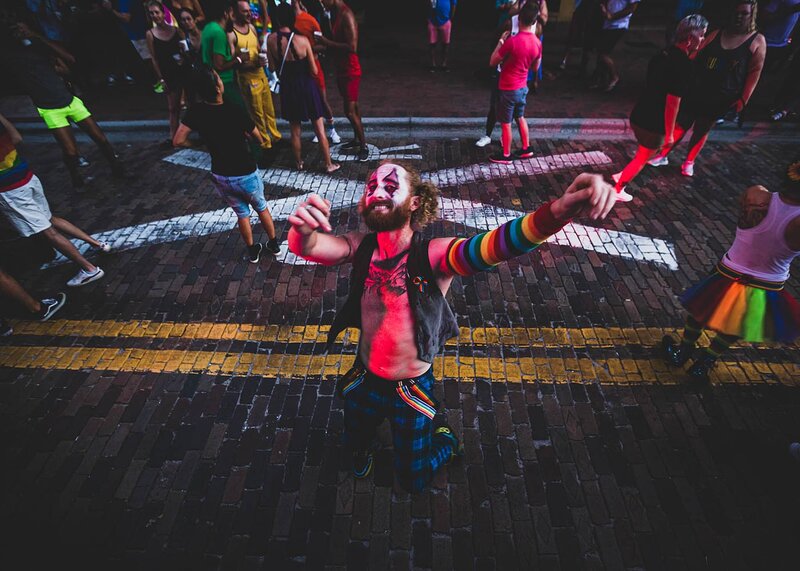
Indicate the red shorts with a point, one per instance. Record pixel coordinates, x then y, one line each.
348 86
320 78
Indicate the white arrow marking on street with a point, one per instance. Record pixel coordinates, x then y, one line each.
375 153
345 193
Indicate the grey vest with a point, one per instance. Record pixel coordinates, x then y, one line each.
434 321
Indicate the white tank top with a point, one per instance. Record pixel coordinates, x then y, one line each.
762 251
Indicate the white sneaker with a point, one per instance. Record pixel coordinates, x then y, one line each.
104 247
658 162
483 141
334 136
623 196
83 277
315 139
687 168
616 176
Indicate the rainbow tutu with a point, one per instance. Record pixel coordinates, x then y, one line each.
747 308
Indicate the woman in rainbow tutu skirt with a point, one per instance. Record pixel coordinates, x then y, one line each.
744 298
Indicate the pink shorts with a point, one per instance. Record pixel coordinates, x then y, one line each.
439 33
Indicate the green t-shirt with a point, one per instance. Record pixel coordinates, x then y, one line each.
215 41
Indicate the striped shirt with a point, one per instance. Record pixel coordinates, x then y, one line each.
14 170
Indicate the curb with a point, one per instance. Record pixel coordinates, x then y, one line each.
592 125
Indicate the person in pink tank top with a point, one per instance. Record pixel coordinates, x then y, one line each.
745 296
517 55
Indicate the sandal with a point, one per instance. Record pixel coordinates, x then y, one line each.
333 168
300 166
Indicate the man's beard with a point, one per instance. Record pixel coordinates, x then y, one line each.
393 219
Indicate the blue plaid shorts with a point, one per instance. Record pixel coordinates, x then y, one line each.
418 453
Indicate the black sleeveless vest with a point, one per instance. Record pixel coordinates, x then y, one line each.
434 322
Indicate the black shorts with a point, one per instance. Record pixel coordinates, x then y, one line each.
608 39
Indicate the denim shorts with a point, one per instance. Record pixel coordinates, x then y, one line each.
242 192
511 104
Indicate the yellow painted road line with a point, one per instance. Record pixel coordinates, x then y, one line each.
579 338
283 365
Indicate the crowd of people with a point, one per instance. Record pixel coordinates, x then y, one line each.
223 61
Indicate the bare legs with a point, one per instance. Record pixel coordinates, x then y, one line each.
246 230
700 130
524 135
174 106
633 168
68 228
611 69
60 243
296 145
505 138
319 130
9 287
69 148
354 116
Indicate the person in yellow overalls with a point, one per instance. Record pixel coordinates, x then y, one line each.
252 79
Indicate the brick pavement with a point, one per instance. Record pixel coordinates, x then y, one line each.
181 412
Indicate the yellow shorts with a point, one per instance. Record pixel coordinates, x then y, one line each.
59 118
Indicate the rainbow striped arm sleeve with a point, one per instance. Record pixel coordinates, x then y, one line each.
466 256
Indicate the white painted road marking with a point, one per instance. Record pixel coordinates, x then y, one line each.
376 153
345 193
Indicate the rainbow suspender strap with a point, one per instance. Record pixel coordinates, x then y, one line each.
413 395
466 256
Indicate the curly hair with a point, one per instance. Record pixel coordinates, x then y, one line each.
427 192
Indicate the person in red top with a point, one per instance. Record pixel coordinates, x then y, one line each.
306 25
517 55
344 45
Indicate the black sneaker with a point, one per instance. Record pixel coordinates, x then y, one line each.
5 328
673 353
501 159
458 448
51 305
254 252
363 154
526 153
362 463
273 247
699 370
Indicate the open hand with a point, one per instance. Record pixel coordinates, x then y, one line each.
588 195
311 215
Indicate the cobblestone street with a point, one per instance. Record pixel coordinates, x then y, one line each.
181 413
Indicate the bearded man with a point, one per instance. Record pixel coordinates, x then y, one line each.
398 283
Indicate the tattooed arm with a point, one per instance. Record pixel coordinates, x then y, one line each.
588 194
753 206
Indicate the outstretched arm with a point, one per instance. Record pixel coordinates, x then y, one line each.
588 194
307 242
